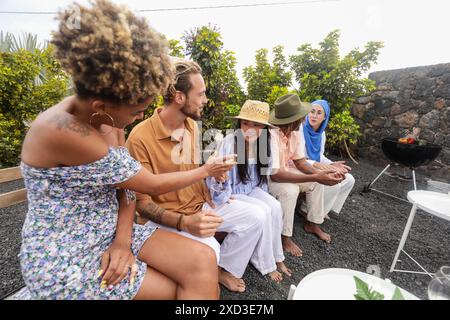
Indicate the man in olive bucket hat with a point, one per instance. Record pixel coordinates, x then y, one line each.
292 174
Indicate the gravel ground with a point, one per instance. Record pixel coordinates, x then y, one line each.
366 233
11 221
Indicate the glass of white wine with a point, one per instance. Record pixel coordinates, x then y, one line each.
439 287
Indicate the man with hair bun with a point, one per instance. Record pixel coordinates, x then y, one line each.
167 142
76 244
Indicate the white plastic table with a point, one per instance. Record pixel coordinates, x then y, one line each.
339 284
435 203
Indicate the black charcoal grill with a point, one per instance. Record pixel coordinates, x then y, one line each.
411 156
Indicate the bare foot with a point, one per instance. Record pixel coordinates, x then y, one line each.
282 267
231 282
276 276
291 247
315 229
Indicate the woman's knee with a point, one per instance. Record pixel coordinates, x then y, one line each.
275 205
203 258
266 208
262 214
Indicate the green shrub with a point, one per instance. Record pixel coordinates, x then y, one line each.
342 130
277 92
30 82
323 74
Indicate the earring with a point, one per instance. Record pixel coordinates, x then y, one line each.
100 115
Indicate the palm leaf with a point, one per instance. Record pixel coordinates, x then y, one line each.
397 295
363 292
27 41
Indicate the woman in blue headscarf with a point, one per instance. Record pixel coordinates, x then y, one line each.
312 135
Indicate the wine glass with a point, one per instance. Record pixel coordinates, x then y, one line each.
439 287
443 272
218 186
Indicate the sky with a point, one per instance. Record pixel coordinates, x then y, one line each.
414 32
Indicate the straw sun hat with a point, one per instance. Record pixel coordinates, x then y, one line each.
255 111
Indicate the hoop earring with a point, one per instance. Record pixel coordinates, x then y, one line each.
100 115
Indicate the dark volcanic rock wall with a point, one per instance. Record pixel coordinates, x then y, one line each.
406 99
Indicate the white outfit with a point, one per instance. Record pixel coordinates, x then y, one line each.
287 193
269 249
244 223
334 196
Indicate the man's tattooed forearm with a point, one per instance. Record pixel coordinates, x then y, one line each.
65 122
153 212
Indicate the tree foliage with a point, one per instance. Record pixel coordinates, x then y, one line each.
204 45
23 95
176 48
28 41
263 76
31 80
323 74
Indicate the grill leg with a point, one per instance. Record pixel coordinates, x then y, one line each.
378 177
414 179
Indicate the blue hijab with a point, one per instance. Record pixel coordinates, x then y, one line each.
314 138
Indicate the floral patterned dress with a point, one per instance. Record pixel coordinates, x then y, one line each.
71 221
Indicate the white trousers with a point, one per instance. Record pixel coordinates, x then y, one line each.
320 199
210 241
244 223
287 194
335 196
269 249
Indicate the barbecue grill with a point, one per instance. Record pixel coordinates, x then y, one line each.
411 156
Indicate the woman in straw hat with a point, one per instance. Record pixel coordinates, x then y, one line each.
248 182
75 242
291 174
312 135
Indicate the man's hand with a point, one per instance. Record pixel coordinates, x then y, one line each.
218 166
222 178
329 178
202 224
325 167
340 165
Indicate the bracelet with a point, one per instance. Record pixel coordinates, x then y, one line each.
179 222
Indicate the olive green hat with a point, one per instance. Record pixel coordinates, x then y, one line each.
289 108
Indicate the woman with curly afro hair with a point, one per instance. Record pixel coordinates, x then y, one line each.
77 244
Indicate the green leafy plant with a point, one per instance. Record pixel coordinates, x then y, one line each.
27 41
30 82
176 49
204 45
323 74
363 292
264 76
343 130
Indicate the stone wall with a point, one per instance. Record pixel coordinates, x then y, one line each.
405 99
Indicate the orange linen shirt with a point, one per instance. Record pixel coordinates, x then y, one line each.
161 151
